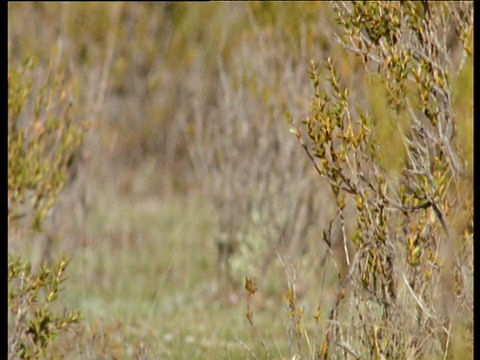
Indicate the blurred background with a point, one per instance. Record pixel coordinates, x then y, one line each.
188 178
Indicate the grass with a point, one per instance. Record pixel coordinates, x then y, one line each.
144 276
143 266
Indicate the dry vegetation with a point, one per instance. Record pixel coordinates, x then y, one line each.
214 204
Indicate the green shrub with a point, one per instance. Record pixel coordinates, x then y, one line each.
32 323
43 140
410 248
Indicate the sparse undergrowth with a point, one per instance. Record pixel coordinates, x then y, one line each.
32 323
42 143
409 276
191 180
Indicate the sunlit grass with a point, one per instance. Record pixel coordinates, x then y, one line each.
154 278
143 268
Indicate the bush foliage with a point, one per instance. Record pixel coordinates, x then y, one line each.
408 240
43 138
354 234
43 141
33 325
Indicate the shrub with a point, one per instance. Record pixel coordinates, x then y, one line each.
248 166
32 324
43 140
410 275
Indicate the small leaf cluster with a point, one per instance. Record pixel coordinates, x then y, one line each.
43 138
32 323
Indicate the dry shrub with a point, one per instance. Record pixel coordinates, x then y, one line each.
244 158
410 278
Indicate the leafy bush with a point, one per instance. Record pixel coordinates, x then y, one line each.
409 278
43 140
195 106
32 323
